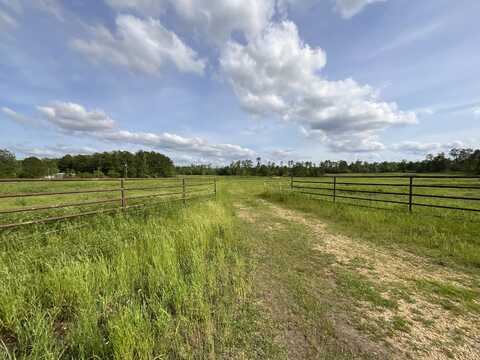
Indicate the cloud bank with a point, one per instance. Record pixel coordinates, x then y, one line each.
73 119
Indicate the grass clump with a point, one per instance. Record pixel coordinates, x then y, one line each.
362 289
450 296
400 324
167 286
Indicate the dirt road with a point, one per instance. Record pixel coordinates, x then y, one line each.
331 296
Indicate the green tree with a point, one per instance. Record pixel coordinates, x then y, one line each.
33 167
8 164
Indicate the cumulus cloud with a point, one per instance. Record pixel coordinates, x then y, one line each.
476 111
69 116
215 19
349 8
141 45
276 74
422 148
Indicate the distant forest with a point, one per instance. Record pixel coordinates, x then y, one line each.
152 164
457 160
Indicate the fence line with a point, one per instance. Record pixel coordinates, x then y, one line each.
182 191
311 187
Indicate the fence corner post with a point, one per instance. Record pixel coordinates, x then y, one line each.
410 194
124 199
184 195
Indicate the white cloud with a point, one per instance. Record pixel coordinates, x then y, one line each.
16 117
214 19
194 146
276 74
141 46
13 5
144 7
356 144
423 148
6 21
409 37
476 111
53 7
427 111
349 8
73 117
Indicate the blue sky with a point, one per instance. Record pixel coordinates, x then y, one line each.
213 81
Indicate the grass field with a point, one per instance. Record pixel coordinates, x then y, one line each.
261 272
136 191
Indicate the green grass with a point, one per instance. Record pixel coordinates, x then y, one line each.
151 190
450 296
400 324
170 285
448 239
178 282
360 288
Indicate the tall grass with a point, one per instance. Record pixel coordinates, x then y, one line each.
125 287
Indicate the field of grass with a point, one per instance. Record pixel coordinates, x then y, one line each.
167 285
136 191
260 272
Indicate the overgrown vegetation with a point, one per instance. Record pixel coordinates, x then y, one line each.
170 285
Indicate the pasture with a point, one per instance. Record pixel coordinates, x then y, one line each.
260 271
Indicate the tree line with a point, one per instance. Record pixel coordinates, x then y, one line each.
457 160
145 164
114 164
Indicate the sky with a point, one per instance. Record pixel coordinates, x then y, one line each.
213 81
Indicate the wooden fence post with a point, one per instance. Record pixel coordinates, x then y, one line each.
291 182
334 189
124 199
410 194
184 194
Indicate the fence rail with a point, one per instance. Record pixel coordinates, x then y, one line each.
406 190
171 189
